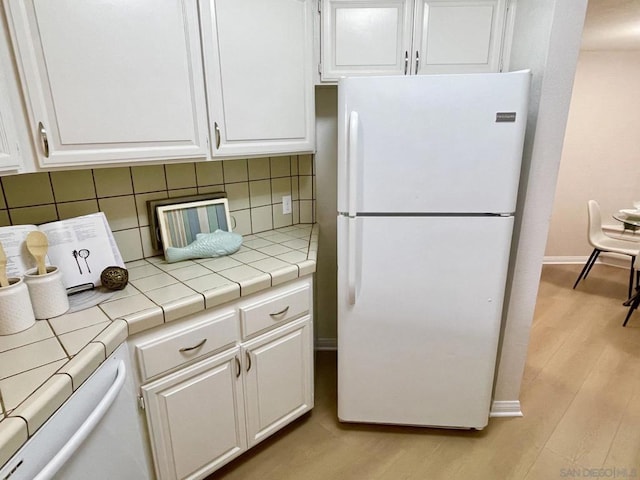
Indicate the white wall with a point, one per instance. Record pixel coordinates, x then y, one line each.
601 156
547 40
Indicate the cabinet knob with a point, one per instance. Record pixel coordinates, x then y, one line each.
238 368
43 138
248 361
406 62
417 61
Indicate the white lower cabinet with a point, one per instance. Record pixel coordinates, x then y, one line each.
209 392
196 417
278 379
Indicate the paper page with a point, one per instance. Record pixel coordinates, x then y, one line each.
82 247
19 260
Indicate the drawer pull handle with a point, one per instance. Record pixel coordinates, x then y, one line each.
281 312
195 347
238 368
248 361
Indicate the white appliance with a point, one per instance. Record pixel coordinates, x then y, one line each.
96 434
428 170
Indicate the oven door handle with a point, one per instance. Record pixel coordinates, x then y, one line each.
86 428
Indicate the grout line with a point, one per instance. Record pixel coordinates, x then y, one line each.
53 194
2 405
38 366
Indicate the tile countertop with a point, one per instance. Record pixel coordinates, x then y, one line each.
42 366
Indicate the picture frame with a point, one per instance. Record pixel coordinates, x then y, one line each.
152 213
179 224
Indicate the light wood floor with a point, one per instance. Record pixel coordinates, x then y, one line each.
580 397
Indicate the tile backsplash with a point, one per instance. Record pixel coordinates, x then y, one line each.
254 187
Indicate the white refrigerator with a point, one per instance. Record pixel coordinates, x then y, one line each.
428 170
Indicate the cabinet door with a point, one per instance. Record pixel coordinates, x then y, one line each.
458 36
365 37
10 160
107 83
258 65
196 417
278 378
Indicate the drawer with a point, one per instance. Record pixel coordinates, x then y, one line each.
199 338
274 309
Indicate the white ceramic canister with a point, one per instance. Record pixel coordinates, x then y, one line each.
48 295
16 312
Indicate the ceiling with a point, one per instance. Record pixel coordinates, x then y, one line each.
612 25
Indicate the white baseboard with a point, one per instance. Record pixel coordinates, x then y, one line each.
612 259
506 408
326 344
564 260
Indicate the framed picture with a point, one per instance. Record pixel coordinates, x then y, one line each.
179 224
152 212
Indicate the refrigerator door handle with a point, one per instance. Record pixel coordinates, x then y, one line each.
351 260
352 163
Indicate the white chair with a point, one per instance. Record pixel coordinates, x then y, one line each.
603 243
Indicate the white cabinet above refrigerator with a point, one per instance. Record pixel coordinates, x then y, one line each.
409 37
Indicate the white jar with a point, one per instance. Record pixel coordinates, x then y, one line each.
48 295
16 313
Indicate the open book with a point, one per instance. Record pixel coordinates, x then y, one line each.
81 247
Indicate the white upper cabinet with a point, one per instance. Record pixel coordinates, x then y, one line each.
111 82
10 160
408 37
365 37
452 36
258 58
11 157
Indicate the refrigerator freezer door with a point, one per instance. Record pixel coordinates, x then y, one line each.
432 143
417 342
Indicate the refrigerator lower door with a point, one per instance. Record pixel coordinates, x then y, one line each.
419 312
